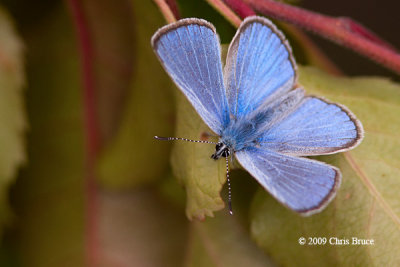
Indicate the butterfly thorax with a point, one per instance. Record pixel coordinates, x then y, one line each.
239 134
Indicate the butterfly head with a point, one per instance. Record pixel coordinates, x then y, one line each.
221 150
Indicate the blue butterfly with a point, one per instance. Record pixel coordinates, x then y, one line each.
257 109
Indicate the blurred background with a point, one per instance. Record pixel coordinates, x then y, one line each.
82 182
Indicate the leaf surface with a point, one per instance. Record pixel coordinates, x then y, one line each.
12 111
202 177
222 241
367 205
133 156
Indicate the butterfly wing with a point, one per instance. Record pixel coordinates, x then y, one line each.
189 50
316 127
259 66
303 185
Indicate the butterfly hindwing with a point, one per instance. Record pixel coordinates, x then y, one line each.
189 50
316 127
303 185
259 66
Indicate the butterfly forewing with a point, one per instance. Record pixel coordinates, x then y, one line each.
189 50
303 185
259 65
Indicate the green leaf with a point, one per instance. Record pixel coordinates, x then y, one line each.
48 195
367 205
202 177
133 156
222 241
12 111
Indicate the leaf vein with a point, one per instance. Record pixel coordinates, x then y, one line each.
372 189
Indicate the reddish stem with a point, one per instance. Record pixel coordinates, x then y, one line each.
91 126
240 8
357 28
340 30
166 10
174 8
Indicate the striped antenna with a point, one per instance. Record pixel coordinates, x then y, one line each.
229 187
182 139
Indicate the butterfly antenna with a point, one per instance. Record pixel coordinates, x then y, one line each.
229 187
182 139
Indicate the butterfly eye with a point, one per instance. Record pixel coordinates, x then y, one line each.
218 146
